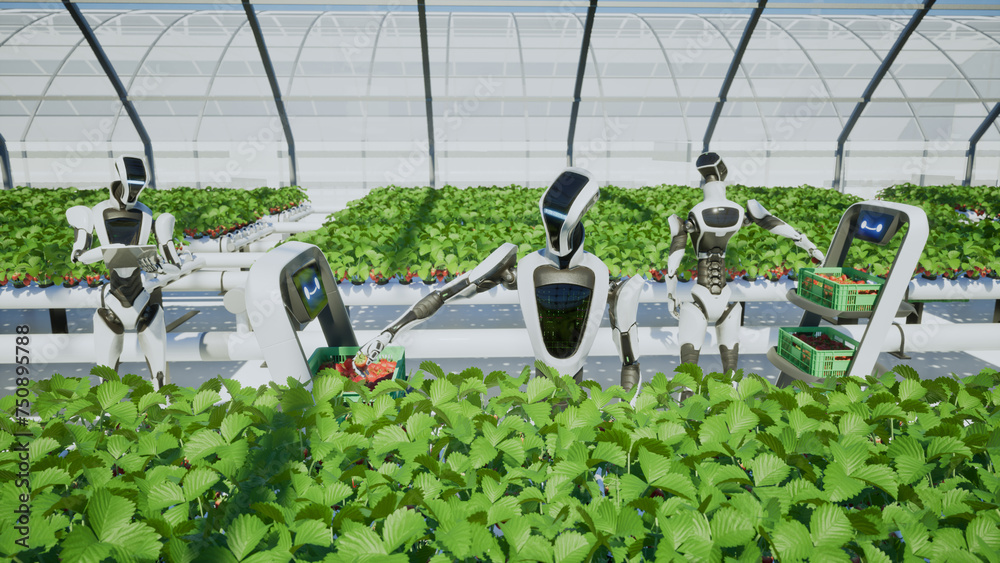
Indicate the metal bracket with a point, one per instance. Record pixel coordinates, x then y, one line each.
902 343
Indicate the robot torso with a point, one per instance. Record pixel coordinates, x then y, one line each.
711 224
562 308
122 226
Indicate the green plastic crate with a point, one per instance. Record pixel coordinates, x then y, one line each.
839 296
339 354
817 363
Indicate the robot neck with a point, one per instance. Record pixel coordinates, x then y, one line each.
714 191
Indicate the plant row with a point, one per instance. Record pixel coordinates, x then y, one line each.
35 238
436 234
467 467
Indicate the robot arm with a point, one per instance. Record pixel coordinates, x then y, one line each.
163 229
79 218
761 217
678 242
496 269
623 299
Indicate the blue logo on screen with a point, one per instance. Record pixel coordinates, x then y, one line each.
873 227
309 286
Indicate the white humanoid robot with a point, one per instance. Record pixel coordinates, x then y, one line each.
123 226
562 288
711 224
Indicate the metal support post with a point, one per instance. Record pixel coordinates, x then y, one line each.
970 155
734 65
890 57
116 82
588 27
272 79
428 99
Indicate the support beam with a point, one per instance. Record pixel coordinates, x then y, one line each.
890 57
734 65
970 155
265 58
109 70
428 99
588 27
8 180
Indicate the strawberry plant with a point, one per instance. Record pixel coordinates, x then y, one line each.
496 467
36 240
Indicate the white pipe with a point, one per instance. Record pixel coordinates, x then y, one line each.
482 343
394 293
296 227
230 260
203 280
206 244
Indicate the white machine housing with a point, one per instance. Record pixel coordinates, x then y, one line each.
288 288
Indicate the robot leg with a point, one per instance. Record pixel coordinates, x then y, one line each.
693 323
727 329
108 338
152 332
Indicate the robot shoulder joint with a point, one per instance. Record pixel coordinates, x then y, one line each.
756 211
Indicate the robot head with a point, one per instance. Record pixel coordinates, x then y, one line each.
711 167
131 180
562 207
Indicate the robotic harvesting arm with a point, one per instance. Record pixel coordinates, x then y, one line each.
623 299
498 268
761 217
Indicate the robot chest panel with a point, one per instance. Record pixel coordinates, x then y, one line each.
715 224
123 226
564 299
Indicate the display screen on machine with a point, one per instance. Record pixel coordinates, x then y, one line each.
562 311
875 227
309 285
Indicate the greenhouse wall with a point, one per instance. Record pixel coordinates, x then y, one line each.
501 95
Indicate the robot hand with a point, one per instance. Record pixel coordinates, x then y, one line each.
150 264
815 253
370 351
672 302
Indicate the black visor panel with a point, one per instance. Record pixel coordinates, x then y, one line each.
562 312
720 217
557 203
122 230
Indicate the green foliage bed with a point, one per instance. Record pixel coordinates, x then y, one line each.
35 239
408 232
884 469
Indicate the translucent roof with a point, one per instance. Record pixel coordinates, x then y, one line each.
502 83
